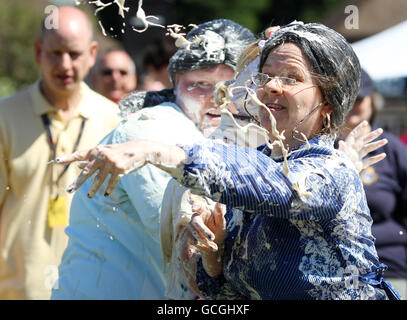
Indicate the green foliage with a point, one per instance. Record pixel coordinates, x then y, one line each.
255 15
280 13
19 24
243 12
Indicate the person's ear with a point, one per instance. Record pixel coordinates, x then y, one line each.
177 76
326 110
93 52
37 51
176 80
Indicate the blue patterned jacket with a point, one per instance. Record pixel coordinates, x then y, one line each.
301 235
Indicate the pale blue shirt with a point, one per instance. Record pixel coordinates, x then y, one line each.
114 244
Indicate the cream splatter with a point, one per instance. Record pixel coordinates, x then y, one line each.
103 29
100 6
174 31
141 15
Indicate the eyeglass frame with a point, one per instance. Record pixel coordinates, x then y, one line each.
262 85
281 80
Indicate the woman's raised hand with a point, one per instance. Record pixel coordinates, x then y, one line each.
358 144
208 228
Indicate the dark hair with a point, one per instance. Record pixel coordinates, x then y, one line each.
158 53
117 48
334 62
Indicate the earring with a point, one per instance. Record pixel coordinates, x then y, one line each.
327 121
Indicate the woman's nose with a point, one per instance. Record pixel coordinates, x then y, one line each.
273 86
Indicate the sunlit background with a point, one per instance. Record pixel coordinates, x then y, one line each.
378 35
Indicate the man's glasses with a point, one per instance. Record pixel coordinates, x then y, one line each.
109 72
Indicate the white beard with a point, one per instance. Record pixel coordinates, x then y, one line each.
192 109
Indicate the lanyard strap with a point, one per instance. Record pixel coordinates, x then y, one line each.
47 126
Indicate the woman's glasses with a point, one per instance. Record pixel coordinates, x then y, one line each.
261 79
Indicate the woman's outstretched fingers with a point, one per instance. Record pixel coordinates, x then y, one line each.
82 164
98 181
204 233
113 181
76 156
373 146
372 135
201 213
86 173
373 160
219 213
357 131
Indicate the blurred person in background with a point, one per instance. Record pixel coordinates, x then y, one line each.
385 185
114 74
403 138
56 114
155 63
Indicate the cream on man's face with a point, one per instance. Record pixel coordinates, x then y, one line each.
194 95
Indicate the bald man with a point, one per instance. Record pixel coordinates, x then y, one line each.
114 74
57 114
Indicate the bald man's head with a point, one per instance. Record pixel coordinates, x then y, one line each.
65 53
69 18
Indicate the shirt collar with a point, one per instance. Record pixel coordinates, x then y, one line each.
41 105
323 143
86 106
